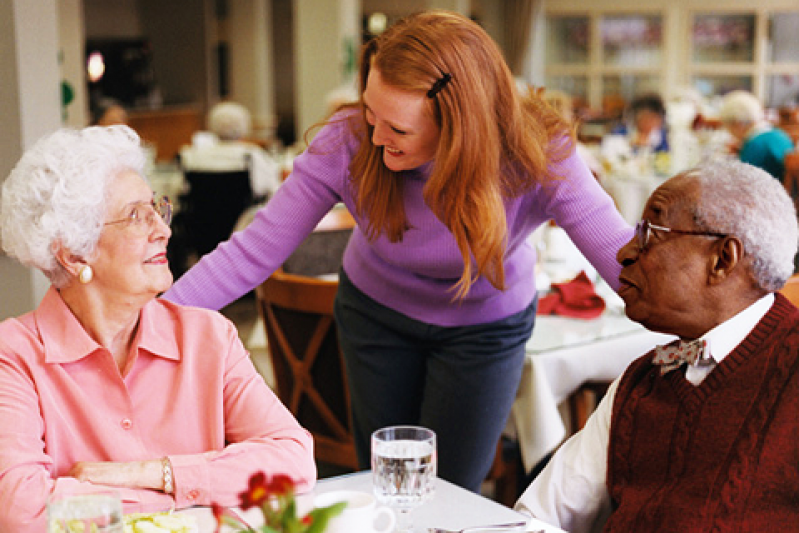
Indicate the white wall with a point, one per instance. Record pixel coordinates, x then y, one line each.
71 38
30 107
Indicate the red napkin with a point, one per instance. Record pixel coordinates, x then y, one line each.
576 298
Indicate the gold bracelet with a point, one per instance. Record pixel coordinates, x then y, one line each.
166 470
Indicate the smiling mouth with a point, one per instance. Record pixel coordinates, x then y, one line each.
158 259
392 151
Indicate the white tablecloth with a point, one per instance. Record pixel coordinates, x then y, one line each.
452 507
562 354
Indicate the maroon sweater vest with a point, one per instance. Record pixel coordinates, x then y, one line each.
723 456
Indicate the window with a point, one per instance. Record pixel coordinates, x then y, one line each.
605 59
613 50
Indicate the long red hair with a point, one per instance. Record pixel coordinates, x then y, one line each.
495 142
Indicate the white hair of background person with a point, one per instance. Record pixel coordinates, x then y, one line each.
57 194
747 202
741 107
230 121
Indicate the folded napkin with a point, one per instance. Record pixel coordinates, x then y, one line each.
576 298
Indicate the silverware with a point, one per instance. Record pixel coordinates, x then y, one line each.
514 526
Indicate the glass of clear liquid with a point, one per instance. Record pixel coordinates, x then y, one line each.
99 512
404 465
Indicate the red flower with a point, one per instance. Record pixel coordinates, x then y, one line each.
307 520
219 514
281 484
257 492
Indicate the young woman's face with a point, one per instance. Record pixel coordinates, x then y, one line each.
402 124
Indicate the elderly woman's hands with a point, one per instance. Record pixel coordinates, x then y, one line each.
135 474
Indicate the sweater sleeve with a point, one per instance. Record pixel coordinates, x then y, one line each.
238 265
579 204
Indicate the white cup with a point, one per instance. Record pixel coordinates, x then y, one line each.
361 515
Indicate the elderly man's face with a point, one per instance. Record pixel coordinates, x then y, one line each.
663 286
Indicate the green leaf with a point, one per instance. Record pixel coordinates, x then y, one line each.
322 515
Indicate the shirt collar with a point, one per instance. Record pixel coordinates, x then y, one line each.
65 340
723 339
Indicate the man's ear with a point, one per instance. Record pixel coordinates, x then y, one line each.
728 255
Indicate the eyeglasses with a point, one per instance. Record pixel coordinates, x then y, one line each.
142 216
643 231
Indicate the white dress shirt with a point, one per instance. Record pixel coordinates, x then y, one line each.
570 492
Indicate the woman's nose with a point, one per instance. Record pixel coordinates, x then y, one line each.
378 135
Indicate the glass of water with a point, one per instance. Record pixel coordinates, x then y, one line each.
403 469
98 512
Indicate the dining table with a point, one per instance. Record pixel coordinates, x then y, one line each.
451 507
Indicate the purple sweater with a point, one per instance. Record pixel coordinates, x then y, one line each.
416 276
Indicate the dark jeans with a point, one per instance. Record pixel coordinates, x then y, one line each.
458 381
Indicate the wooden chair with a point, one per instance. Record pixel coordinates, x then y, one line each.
583 401
307 361
208 212
791 289
791 178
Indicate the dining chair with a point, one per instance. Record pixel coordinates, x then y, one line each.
207 213
307 361
791 289
583 401
791 178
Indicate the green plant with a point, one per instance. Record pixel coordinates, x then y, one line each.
275 498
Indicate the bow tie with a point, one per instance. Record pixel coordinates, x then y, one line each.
677 353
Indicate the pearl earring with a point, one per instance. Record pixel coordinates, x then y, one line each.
86 274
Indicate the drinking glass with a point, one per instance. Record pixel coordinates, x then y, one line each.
98 512
404 469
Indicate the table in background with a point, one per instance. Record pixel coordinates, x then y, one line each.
452 507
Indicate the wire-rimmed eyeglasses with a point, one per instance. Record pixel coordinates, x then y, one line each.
142 215
643 231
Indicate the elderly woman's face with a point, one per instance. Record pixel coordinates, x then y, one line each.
130 259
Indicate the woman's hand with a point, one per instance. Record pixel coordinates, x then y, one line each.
134 475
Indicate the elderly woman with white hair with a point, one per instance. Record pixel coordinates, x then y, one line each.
760 144
103 385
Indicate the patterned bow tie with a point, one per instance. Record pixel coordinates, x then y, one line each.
677 353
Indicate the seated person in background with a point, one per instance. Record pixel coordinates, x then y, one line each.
647 128
711 445
227 150
104 386
108 112
759 143
562 103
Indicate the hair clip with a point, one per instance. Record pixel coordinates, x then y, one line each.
438 85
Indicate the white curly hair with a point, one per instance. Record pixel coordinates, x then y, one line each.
56 194
230 121
741 107
745 201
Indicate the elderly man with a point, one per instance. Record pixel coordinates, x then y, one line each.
702 437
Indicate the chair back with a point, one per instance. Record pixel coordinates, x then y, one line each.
213 204
791 289
791 178
307 361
